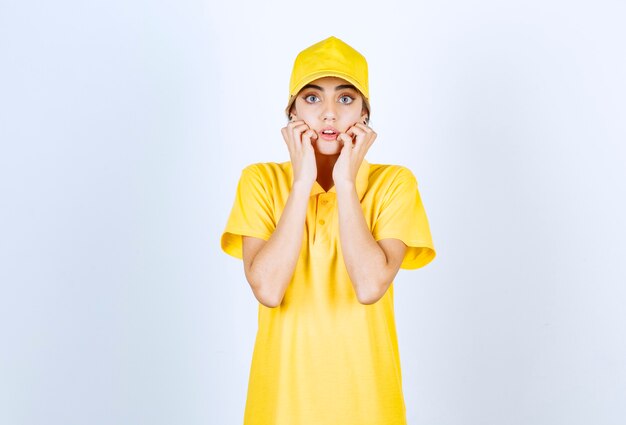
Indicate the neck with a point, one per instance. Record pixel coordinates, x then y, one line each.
325 164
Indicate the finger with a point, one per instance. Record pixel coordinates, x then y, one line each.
291 127
287 137
357 130
298 130
288 134
297 135
357 133
371 139
306 141
308 135
295 123
346 149
346 139
361 136
365 135
300 127
364 127
365 145
350 133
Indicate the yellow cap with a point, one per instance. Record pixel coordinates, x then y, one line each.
329 58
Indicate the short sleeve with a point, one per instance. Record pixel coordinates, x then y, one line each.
251 214
402 216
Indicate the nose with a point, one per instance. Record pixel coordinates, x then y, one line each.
329 112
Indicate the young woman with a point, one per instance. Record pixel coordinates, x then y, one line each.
322 237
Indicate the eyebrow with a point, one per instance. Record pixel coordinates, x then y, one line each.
340 87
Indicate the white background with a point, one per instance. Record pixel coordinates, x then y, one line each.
124 127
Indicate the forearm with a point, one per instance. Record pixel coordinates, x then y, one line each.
365 260
274 264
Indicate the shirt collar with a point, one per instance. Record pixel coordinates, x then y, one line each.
362 179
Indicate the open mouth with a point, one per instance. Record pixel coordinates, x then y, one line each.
328 134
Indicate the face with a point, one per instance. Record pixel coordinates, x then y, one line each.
329 103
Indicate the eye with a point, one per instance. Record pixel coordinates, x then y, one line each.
308 97
345 99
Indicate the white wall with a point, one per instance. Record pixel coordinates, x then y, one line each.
124 128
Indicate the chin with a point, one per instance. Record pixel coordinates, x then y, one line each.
328 148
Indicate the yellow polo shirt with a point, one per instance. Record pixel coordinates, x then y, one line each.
321 357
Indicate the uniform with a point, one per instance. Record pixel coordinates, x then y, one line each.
321 357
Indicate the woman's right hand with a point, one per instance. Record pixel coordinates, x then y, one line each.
298 135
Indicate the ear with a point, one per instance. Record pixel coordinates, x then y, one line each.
364 118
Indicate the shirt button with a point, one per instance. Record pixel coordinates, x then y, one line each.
322 222
324 201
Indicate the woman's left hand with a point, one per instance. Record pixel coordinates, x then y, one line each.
356 142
